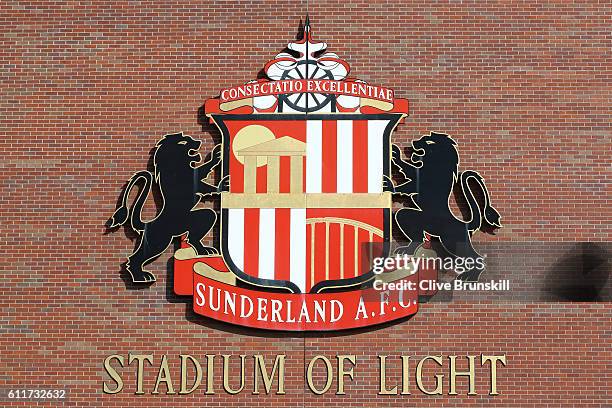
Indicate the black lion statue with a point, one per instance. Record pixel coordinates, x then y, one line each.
432 171
182 186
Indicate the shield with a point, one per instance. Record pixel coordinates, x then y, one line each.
305 149
306 204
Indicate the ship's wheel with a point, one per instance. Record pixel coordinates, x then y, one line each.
306 102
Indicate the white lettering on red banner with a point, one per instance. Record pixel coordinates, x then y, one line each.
264 88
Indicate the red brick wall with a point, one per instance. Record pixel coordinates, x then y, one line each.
87 88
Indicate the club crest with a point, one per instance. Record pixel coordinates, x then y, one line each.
306 201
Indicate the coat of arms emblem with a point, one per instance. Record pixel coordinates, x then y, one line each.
305 200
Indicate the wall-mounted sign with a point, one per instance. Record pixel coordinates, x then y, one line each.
306 198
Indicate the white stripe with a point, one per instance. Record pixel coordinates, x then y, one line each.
314 152
376 130
267 218
297 251
235 236
344 161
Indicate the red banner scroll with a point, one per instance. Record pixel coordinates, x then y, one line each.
216 295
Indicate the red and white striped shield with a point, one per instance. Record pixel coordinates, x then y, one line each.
306 149
306 197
